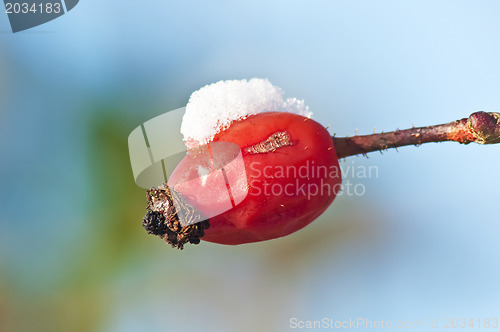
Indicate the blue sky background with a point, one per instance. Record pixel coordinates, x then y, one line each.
421 244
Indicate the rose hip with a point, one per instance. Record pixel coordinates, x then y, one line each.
291 175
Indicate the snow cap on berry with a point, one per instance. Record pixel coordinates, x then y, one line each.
212 108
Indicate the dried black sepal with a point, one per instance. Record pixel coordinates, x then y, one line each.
165 208
154 223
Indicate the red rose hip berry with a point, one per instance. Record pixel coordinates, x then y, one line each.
290 176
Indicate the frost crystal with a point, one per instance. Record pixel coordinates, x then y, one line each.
212 108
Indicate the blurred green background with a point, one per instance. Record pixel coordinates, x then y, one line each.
421 242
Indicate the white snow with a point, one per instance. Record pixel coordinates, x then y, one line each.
214 107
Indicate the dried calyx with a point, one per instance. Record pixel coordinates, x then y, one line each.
173 219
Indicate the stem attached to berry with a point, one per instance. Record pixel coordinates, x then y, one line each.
479 127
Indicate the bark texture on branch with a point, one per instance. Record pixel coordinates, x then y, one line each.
479 127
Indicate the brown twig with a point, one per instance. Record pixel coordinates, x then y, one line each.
479 127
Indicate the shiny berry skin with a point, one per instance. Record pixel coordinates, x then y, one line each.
291 172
